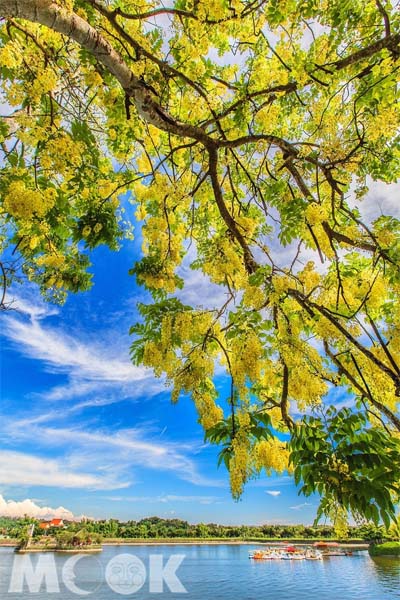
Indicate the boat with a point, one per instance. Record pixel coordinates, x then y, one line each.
256 554
281 554
297 556
326 545
313 554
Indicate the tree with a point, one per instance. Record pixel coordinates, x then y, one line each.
65 539
246 133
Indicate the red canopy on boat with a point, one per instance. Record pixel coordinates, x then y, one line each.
326 544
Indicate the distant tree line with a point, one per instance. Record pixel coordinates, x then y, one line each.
156 527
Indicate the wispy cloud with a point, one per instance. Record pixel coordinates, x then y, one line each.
273 493
165 499
63 353
17 509
99 372
117 454
300 506
20 469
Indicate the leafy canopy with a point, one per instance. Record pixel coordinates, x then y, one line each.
246 134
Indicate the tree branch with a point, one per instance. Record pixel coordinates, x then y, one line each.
391 42
51 15
249 260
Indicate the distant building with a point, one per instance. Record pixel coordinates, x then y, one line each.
53 523
56 523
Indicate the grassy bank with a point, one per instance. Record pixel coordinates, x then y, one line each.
9 542
386 549
40 549
214 540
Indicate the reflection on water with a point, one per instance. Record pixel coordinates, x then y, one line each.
387 569
223 572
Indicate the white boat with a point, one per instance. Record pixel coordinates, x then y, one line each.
286 556
279 554
313 555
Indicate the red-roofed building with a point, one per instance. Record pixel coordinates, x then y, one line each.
56 523
53 523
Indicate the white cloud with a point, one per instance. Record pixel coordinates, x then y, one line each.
64 354
103 370
20 469
300 506
273 493
112 456
381 199
35 309
18 509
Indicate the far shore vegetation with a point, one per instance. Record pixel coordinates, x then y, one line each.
74 534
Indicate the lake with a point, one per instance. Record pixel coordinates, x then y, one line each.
218 572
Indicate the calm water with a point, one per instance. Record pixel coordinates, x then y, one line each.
213 572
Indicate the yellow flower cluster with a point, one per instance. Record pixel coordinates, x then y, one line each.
282 284
239 463
246 355
153 357
379 384
386 238
269 116
211 9
62 154
339 519
210 414
11 55
316 213
254 297
51 260
163 281
309 277
226 263
305 387
24 203
93 78
322 238
44 82
192 324
271 455
87 230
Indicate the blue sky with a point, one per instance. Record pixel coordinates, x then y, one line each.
82 428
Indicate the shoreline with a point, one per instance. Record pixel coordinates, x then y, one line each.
360 546
194 542
59 550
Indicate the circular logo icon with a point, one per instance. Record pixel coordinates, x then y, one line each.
125 574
